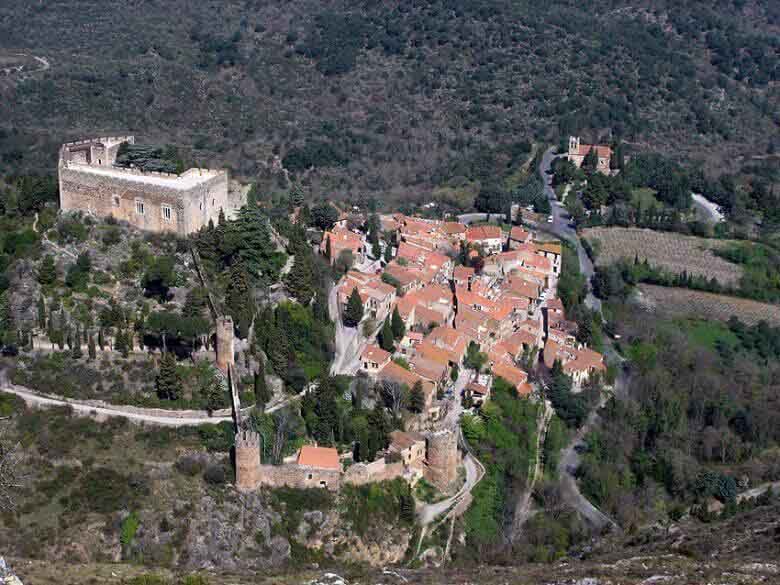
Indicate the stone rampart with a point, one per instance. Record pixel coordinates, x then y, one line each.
376 471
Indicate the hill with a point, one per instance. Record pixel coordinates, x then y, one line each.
393 99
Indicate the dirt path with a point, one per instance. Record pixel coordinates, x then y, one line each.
523 506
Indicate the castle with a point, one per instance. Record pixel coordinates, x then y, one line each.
158 202
410 456
578 152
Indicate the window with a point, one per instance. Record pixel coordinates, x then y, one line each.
323 483
139 207
166 212
213 201
116 201
309 476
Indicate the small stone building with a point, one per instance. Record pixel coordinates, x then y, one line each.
159 202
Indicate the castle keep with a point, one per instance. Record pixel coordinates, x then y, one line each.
158 202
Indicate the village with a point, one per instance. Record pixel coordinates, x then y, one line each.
468 305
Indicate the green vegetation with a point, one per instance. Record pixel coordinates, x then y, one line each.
377 507
503 437
761 264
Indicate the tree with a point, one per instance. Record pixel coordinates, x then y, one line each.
344 262
77 353
328 248
591 161
475 359
388 252
213 395
277 350
386 337
454 373
324 215
262 393
92 352
168 380
239 302
417 398
394 395
399 329
47 273
300 280
101 339
353 314
41 313
159 277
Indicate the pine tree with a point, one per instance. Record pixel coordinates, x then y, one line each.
41 313
354 311
406 506
417 398
300 280
91 347
213 395
399 329
168 381
386 337
47 273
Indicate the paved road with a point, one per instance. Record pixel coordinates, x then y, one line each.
561 228
348 341
474 472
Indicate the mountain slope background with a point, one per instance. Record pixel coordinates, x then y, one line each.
392 98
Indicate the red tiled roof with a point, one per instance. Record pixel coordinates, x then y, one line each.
485 232
322 457
375 353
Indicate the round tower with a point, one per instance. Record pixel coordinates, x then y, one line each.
247 460
442 459
225 342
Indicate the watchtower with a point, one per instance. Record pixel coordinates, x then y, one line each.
225 356
574 144
247 460
442 459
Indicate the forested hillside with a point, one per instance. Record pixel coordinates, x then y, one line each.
396 98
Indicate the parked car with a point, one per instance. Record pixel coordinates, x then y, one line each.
550 219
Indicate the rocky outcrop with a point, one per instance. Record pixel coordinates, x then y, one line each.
7 576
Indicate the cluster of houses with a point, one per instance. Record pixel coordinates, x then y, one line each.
504 303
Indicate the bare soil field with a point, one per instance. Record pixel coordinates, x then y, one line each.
684 302
673 252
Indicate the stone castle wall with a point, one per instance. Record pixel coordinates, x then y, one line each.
376 471
103 196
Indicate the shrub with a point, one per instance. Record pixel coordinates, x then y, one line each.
215 474
189 465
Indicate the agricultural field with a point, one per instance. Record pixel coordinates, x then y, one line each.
673 252
681 302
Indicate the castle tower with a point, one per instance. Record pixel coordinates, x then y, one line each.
225 343
247 460
442 459
574 144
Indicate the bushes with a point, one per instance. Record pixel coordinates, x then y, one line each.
377 505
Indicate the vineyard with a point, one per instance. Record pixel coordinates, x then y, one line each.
681 302
675 253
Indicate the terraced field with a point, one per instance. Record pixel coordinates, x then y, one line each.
682 302
673 252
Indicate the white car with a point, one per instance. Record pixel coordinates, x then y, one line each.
550 219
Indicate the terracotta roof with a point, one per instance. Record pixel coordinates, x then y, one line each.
477 388
463 272
400 440
555 305
428 368
485 232
601 151
321 457
519 234
511 374
436 354
453 227
551 247
585 360
374 353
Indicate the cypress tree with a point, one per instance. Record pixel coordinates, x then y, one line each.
300 280
101 339
278 351
77 353
388 252
168 381
386 337
354 311
239 299
41 313
262 394
399 329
